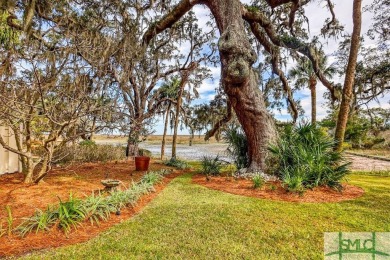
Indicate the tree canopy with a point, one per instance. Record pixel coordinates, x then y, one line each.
103 64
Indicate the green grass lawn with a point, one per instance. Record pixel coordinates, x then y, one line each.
187 221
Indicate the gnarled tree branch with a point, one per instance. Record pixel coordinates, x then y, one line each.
168 20
275 58
220 123
290 43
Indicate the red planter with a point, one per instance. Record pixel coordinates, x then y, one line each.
142 163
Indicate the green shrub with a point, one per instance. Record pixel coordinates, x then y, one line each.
97 208
144 152
152 177
133 194
361 132
88 152
258 181
117 200
273 187
346 146
88 143
293 183
144 186
70 213
140 189
370 142
211 166
174 162
305 159
238 146
40 221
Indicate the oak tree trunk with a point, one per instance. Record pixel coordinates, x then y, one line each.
134 139
349 76
240 82
29 171
44 169
239 79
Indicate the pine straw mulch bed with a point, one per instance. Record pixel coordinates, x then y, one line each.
244 187
81 181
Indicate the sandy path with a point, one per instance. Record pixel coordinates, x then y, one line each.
360 163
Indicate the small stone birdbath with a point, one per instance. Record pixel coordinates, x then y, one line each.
110 185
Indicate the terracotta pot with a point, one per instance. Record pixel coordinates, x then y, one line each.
142 163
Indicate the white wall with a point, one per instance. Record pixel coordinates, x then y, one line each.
9 162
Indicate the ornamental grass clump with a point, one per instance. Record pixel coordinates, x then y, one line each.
237 146
42 220
211 165
306 159
97 209
152 177
69 214
89 151
258 181
174 162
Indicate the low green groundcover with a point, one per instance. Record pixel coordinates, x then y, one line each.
188 221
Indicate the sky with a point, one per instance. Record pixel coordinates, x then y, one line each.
316 14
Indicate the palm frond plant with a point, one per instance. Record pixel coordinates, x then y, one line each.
258 181
306 158
237 146
211 165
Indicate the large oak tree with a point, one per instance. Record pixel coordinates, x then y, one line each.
237 55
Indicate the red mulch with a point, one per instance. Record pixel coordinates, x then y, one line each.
81 181
245 187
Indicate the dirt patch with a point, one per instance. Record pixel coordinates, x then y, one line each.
274 190
81 180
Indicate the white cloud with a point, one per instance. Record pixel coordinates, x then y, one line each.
206 87
203 15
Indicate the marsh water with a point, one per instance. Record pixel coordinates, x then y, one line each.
183 151
194 152
197 151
